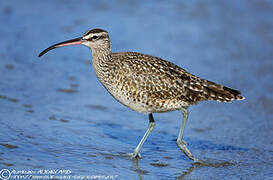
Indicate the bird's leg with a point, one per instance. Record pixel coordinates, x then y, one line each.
136 153
180 142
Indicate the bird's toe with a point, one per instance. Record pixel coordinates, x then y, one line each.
135 155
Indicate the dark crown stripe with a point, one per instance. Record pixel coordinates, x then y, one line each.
92 31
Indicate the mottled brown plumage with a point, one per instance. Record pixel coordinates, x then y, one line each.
147 83
164 85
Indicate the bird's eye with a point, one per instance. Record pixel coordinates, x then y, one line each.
95 37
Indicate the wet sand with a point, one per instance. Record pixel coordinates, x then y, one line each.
56 115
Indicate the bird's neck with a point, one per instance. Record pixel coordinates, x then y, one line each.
100 53
100 60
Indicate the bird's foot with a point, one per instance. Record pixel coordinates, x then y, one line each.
183 147
134 154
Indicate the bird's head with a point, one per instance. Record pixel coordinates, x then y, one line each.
96 39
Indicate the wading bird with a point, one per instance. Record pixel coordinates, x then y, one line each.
148 84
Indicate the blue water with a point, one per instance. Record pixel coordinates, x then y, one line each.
56 115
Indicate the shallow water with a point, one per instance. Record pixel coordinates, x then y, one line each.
56 115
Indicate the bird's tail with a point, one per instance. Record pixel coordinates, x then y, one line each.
221 93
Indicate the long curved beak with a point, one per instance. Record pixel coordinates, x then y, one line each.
65 43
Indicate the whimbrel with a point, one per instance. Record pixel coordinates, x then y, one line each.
148 84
